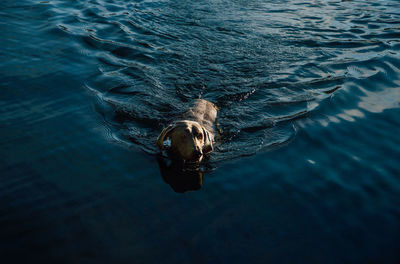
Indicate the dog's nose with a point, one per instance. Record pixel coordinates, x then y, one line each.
198 153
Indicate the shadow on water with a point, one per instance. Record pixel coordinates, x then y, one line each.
181 177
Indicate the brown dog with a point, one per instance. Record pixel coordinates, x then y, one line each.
191 137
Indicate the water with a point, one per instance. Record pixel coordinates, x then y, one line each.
306 167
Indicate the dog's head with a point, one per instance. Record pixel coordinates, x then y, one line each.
186 140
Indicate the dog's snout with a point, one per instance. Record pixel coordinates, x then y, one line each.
198 153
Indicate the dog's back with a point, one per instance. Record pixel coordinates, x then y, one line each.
203 112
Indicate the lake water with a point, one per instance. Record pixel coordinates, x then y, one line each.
306 168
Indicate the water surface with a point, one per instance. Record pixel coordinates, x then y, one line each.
306 166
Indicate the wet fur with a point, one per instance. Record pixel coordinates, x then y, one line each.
190 137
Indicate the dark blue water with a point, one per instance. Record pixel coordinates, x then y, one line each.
306 168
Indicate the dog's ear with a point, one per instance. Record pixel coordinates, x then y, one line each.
208 142
163 136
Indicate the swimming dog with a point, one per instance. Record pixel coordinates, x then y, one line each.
190 137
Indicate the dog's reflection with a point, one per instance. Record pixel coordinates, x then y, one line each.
179 176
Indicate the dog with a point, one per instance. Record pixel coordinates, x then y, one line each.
191 137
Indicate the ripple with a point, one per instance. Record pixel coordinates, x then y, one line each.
265 66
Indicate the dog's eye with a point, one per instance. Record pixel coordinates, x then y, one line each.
199 136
